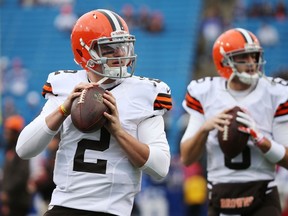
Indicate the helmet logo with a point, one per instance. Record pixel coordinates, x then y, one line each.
251 47
119 33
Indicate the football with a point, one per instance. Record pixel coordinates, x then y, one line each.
232 141
87 110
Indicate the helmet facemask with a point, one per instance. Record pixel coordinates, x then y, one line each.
244 76
119 42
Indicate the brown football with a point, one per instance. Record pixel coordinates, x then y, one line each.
87 110
232 141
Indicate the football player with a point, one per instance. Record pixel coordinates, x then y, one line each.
243 185
99 173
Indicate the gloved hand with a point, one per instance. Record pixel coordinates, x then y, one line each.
250 128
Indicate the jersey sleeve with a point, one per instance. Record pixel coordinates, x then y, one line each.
151 132
195 93
62 82
280 92
163 99
150 97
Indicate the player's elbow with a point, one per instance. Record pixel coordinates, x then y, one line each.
22 153
158 164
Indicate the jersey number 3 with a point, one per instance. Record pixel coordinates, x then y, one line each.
96 145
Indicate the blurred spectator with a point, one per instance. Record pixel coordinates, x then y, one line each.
27 3
239 10
42 175
268 35
195 190
66 19
55 2
15 79
267 9
33 102
4 62
129 16
212 26
8 108
15 196
143 17
156 23
154 202
281 10
261 9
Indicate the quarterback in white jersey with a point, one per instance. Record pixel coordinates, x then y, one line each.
99 173
236 185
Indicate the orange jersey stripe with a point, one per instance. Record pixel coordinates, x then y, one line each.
47 88
282 109
163 101
193 103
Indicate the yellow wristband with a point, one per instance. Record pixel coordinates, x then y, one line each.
62 110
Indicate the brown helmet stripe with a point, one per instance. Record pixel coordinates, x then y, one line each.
246 35
113 18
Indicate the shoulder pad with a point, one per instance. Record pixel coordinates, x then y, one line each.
63 81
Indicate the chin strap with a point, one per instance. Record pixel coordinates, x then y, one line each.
115 72
247 78
102 80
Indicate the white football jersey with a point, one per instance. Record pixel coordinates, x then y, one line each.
91 170
267 104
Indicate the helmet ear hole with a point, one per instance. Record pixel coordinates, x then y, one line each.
224 62
79 52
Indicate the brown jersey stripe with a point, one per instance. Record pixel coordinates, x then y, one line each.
282 109
193 103
163 101
161 106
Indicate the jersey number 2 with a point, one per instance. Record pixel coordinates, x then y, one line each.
96 145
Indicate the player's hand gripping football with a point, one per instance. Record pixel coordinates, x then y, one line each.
250 127
113 124
218 121
75 93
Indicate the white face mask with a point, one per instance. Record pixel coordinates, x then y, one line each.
247 78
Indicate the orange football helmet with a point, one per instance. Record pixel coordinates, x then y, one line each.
234 42
99 33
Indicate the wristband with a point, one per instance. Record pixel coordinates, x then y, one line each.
63 111
275 153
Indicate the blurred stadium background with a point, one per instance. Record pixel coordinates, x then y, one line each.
175 55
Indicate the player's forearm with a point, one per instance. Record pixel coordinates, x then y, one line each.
274 152
151 132
34 138
153 158
55 119
137 152
158 162
284 161
192 148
